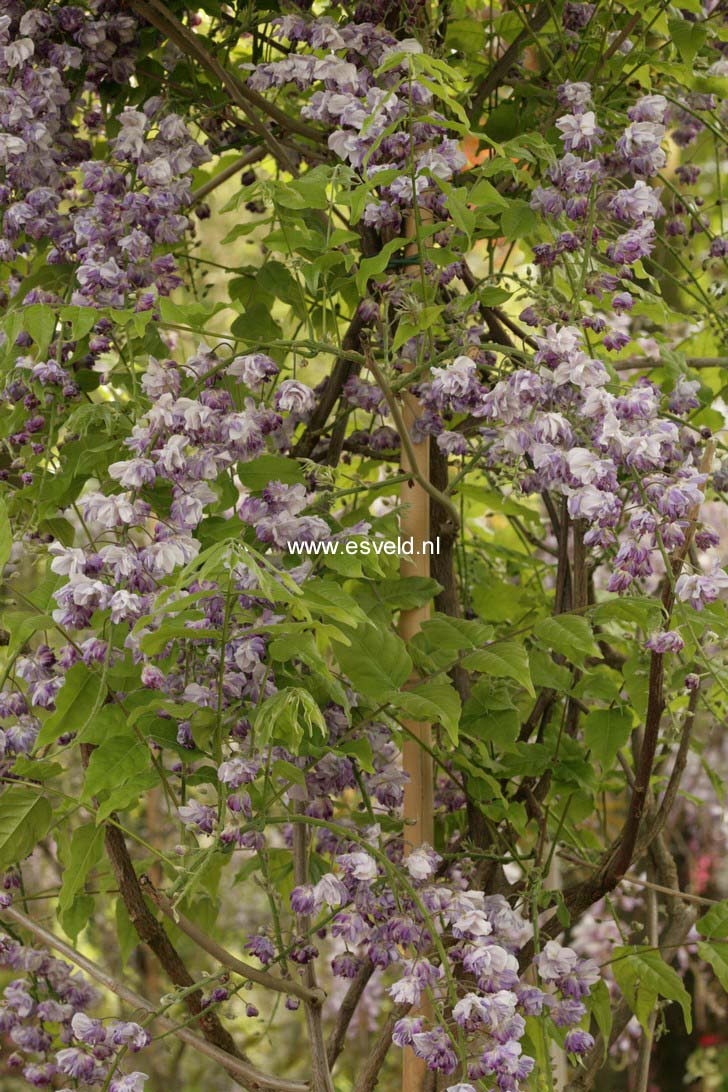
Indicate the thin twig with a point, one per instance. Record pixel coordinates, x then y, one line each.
227 959
162 18
250 157
404 436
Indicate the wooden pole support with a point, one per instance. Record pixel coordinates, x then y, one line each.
417 747
415 524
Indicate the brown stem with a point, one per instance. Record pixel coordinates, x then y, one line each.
342 370
619 856
494 77
442 563
320 1072
366 1081
351 999
153 933
673 785
680 919
245 160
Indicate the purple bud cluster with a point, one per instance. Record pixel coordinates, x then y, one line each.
51 1040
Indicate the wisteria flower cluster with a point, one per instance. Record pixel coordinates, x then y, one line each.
43 1013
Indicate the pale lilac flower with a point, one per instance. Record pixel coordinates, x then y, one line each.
579 132
667 641
578 1041
435 1047
295 397
699 589
128 1033
574 95
253 370
91 1032
422 863
129 1082
359 865
201 817
330 891
405 1030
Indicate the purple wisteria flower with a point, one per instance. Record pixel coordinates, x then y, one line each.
668 641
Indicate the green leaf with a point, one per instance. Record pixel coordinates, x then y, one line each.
6 535
82 320
77 916
716 954
76 702
715 922
600 1006
21 626
110 720
361 750
26 768
605 732
306 192
329 600
635 675
526 760
625 608
84 852
113 762
25 818
376 662
256 325
288 772
499 727
40 322
369 267
131 791
259 473
485 196
544 672
642 975
441 638
518 221
569 634
462 216
688 38
502 661
126 935
465 35
408 592
287 717
435 700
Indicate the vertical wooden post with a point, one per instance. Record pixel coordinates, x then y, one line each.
416 760
415 524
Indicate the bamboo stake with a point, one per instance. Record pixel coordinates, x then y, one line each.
416 752
415 524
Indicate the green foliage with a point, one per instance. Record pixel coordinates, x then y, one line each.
643 976
25 818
